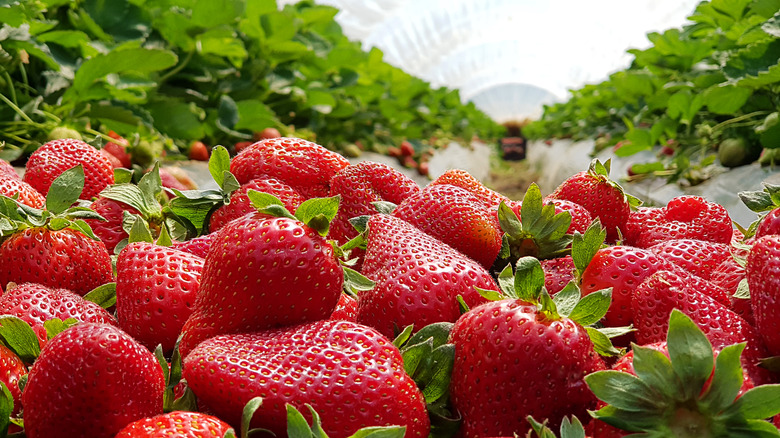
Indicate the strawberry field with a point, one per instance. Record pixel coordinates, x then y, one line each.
300 294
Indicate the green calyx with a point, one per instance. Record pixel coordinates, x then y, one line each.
600 171
142 197
316 213
527 284
61 211
688 394
569 428
761 202
538 232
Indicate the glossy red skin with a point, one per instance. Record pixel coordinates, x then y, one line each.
580 216
664 291
770 224
8 171
601 199
240 204
350 374
110 231
684 217
727 275
115 163
361 184
198 151
11 370
176 424
27 195
262 273
463 179
36 304
418 278
91 380
118 150
557 273
60 259
198 246
346 309
456 217
622 268
155 292
695 256
305 166
499 349
763 276
55 157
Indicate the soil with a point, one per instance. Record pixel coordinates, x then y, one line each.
511 178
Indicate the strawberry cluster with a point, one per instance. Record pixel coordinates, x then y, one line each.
310 297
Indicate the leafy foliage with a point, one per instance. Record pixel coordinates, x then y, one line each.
165 73
715 79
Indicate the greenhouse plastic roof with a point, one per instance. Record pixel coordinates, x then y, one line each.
509 57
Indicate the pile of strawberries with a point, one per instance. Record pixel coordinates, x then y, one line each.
310 297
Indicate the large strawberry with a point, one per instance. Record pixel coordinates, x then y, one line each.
177 424
53 247
418 278
463 179
240 204
350 374
602 197
155 292
456 217
693 392
91 380
55 157
360 186
519 356
265 272
683 217
11 370
25 193
763 277
695 256
305 166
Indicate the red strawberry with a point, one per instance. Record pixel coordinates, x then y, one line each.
55 157
36 304
198 246
580 216
115 163
622 268
359 186
63 258
91 380
695 256
660 293
177 424
407 149
155 292
494 393
27 195
262 273
11 370
557 273
465 180
456 217
346 309
240 204
770 224
8 171
118 148
198 151
350 374
684 217
763 276
305 166
601 196
418 278
728 275
266 134
110 231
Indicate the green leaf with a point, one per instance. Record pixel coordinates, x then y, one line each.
56 326
219 163
727 380
506 282
529 279
623 391
269 204
490 295
413 355
160 356
690 352
82 226
592 307
211 13
758 403
438 331
443 360
769 131
726 99
743 290
65 190
249 411
614 332
585 246
404 336
318 213
566 300
655 369
380 432
122 175
757 201
508 220
531 210
572 429
140 231
20 338
188 402
384 207
6 408
150 186
601 343
164 239
462 306
356 282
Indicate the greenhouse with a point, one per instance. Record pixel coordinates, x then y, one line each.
389 218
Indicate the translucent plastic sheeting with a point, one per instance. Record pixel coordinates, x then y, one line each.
486 48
